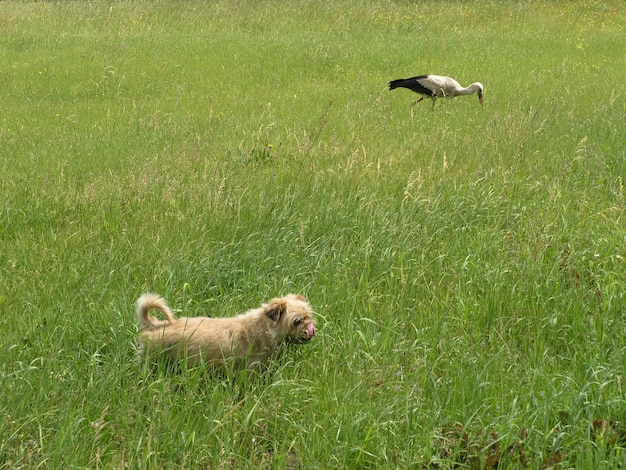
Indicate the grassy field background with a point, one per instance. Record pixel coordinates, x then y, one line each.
466 264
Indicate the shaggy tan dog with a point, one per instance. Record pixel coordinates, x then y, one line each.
249 339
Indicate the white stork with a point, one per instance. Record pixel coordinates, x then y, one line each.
436 86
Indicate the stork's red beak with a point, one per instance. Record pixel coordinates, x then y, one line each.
480 99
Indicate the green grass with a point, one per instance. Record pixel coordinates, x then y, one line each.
467 264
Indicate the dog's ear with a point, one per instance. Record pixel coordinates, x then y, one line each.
275 309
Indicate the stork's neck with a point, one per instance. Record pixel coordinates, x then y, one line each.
473 88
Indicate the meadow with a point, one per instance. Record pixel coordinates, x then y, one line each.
466 264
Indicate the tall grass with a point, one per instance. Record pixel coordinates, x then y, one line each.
467 264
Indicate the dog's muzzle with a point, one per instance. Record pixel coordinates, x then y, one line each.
309 332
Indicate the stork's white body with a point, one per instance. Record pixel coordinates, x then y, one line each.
437 86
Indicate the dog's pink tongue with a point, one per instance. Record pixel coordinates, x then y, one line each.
310 330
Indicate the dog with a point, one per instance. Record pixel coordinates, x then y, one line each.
248 340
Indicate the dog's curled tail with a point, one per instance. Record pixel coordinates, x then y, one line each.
149 301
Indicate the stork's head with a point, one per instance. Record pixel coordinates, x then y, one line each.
479 92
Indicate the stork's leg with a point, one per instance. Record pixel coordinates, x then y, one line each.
434 98
415 102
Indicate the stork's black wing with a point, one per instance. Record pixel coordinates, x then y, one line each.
412 84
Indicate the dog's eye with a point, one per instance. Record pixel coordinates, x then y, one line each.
296 322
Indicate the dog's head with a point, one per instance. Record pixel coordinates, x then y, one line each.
293 317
